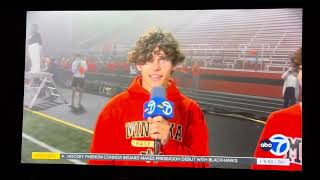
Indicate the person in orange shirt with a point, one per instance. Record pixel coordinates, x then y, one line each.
195 69
184 75
121 128
282 135
91 65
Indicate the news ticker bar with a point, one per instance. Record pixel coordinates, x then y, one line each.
168 158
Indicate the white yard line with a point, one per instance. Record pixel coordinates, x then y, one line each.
50 148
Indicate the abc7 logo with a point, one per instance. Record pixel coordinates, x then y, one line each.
168 108
151 106
277 144
266 145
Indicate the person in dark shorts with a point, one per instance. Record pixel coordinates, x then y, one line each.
79 67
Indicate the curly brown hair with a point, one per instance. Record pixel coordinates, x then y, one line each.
149 41
298 57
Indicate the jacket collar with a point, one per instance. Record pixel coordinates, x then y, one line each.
137 89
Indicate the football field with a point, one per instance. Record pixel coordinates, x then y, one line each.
43 133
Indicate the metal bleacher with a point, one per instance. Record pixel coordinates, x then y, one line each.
273 33
226 38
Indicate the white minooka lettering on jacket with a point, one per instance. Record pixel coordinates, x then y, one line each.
140 129
295 152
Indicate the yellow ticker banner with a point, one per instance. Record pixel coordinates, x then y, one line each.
46 155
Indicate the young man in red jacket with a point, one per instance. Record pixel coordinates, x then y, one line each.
284 131
120 127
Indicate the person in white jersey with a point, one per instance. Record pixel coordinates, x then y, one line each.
290 89
79 68
34 42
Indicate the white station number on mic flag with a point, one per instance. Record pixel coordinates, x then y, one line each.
151 106
168 108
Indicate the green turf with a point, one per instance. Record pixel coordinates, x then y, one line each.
29 147
55 134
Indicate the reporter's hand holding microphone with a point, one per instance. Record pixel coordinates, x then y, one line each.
157 111
159 129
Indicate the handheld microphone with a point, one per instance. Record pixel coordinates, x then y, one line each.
158 106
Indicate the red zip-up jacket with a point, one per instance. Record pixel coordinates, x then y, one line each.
121 129
287 122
